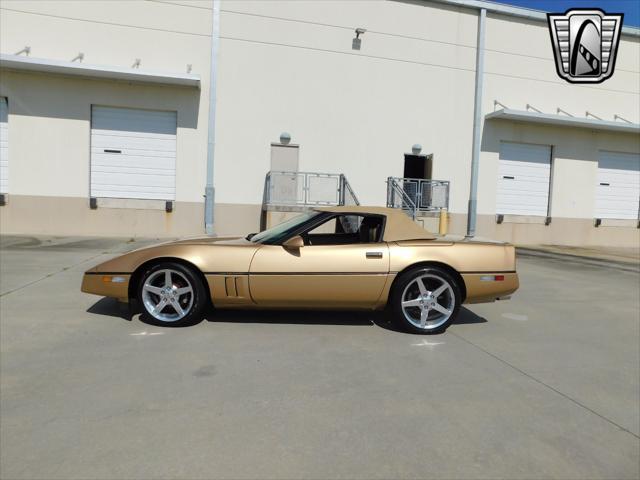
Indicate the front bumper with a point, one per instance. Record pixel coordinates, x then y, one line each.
107 285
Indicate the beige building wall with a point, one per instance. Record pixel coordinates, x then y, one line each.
289 66
50 115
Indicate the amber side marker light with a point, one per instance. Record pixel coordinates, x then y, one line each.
112 279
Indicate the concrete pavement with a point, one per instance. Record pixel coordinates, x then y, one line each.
545 385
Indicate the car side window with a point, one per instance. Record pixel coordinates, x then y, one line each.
346 230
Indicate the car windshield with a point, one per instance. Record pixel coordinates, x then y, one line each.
281 231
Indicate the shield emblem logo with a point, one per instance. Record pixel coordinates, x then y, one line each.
585 43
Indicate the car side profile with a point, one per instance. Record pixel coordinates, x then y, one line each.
364 258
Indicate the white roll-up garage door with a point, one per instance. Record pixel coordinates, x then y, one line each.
4 146
618 188
523 179
133 153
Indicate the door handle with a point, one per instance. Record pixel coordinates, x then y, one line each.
374 255
508 177
109 150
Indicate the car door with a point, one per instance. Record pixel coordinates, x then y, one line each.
320 276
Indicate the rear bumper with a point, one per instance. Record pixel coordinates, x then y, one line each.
482 288
107 285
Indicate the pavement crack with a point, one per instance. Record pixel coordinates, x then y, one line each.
546 385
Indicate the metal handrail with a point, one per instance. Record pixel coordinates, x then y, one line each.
417 194
299 189
348 196
404 201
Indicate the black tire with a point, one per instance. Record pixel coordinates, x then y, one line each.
432 279
191 303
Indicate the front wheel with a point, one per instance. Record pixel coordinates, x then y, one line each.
426 300
171 295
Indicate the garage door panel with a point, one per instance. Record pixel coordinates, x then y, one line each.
134 179
618 187
143 158
617 204
134 143
622 194
151 155
4 146
524 186
523 168
142 161
523 210
109 133
529 201
526 152
515 174
619 180
523 179
147 194
115 119
522 195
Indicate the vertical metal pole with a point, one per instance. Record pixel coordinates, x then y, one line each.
209 192
477 126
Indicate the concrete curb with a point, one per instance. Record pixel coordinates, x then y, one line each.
567 257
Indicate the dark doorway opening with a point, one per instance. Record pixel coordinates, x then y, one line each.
417 166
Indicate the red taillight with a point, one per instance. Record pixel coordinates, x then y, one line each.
499 278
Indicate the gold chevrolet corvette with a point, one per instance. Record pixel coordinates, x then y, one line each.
326 258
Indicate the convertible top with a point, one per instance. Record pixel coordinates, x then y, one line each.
397 227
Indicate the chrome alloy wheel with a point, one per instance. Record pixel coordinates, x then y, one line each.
167 295
428 301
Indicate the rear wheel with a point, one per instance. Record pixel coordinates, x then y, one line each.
426 300
171 295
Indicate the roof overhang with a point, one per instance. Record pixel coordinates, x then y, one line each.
76 69
513 11
562 120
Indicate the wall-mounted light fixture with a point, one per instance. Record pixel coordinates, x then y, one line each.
285 138
357 42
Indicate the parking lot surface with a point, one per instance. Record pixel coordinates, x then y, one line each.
545 385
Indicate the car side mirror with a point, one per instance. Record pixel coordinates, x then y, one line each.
294 243
250 236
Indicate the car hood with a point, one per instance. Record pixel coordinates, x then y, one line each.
232 254
208 240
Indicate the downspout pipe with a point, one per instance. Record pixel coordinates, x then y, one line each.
209 193
477 127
